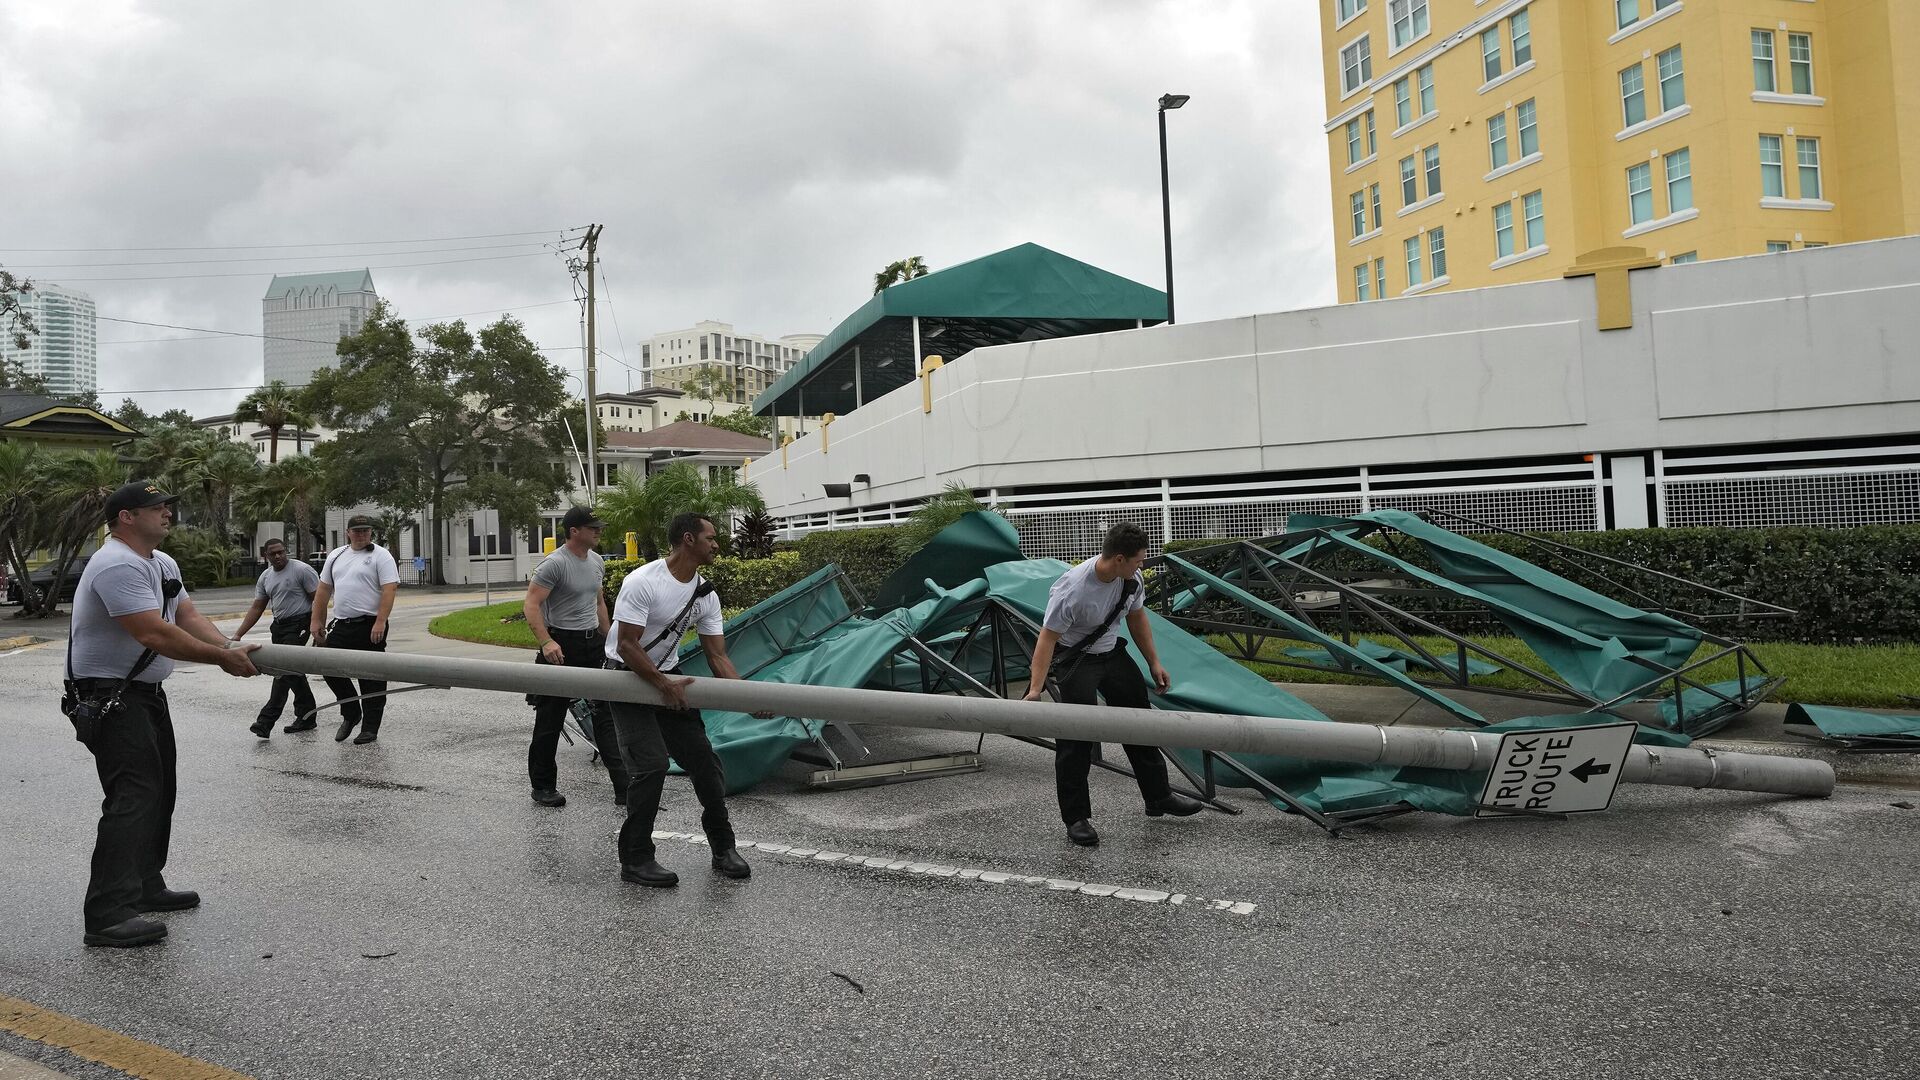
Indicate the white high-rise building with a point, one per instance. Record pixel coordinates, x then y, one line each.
746 363
305 315
64 352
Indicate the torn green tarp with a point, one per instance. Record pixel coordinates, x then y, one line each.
1706 710
1599 646
1854 728
1400 660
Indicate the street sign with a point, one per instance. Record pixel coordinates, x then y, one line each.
1556 771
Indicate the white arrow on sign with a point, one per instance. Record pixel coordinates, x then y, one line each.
1556 770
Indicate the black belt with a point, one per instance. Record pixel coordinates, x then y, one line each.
343 620
580 635
114 684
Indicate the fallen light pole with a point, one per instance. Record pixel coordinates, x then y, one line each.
1317 740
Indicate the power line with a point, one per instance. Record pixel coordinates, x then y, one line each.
275 247
205 330
347 270
310 341
278 258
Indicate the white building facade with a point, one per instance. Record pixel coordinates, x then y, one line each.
304 316
747 363
65 350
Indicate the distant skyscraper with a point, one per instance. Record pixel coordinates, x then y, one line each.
305 316
63 352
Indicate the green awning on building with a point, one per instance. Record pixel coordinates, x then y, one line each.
1025 293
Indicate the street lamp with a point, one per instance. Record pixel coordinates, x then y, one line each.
1168 101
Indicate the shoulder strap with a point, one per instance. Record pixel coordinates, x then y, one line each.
701 587
1072 654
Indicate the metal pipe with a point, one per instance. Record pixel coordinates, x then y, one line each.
1317 740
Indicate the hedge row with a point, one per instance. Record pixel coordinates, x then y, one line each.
1845 585
741 583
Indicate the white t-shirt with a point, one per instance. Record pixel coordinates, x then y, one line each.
356 577
1079 601
650 599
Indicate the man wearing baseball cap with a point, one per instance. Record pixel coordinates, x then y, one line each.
131 621
566 608
359 579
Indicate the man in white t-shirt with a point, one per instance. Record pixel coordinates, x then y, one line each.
358 581
657 604
1083 608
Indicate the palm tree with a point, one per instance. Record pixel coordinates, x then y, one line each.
646 507
275 408
225 470
952 504
291 490
22 476
76 504
896 272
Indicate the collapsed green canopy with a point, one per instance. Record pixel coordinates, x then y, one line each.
1853 728
1025 293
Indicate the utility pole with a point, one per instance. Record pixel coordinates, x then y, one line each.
591 243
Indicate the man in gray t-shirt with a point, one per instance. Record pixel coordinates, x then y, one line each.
286 587
130 601
566 608
1084 609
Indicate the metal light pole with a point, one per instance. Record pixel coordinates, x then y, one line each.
1168 101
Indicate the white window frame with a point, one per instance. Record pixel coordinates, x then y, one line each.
1757 37
1430 170
1373 197
1354 142
1639 182
1410 174
1491 59
1778 166
1416 18
1531 202
1437 253
1796 65
1800 145
1380 277
1498 154
1362 65
1679 75
1635 73
1416 265
1357 211
1503 231
1667 167
1521 127
1362 279
1519 30
1345 11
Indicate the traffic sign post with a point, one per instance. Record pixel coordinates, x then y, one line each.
1556 770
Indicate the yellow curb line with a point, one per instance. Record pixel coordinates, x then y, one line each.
109 1048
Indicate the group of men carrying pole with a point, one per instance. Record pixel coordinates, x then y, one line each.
132 619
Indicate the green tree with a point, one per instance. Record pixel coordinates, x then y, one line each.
131 414
293 492
897 272
15 323
22 481
646 506
743 422
275 408
442 421
921 526
74 511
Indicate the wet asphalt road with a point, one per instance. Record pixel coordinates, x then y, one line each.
404 909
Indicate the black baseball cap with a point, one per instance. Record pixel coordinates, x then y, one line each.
359 521
581 517
136 496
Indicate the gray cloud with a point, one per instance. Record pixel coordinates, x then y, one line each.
752 161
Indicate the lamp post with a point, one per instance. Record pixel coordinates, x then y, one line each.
1168 101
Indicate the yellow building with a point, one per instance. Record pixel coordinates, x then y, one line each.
1484 142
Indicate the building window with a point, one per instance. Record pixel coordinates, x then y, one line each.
1409 18
1409 181
1433 171
1358 203
1425 77
1379 286
1535 209
1497 139
1773 182
1403 101
1503 229
1373 144
1763 61
1520 32
1373 196
1800 62
1523 115
1625 13
1362 284
1814 244
1673 80
1412 247
1633 97
1349 8
1640 193
703 349
1356 65
1686 257
1774 246
1354 156
1809 155
1437 251
1490 53
1679 181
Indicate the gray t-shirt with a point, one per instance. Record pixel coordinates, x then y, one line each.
118 581
287 592
1079 603
574 602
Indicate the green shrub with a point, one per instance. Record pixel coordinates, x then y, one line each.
741 583
869 556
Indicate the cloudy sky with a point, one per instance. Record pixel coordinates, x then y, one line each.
754 161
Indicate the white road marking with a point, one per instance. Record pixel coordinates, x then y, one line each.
888 864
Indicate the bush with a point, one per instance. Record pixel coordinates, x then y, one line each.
869 556
741 583
1857 584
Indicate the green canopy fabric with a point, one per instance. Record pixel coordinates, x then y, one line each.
1401 660
1854 728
